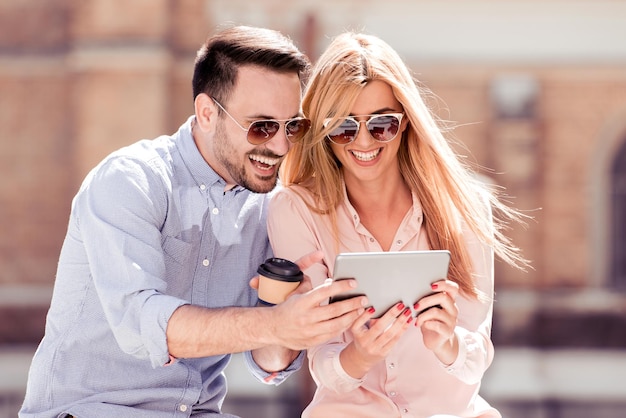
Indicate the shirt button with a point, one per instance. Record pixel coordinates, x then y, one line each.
202 187
406 411
392 394
399 241
215 211
205 262
371 239
392 365
182 408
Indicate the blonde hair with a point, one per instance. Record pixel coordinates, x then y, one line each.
449 191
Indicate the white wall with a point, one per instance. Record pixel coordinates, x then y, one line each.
507 31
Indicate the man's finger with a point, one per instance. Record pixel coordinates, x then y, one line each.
309 259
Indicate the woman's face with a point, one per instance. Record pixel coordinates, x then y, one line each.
366 159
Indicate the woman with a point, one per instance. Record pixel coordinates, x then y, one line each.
375 173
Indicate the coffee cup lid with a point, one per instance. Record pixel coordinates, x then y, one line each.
281 269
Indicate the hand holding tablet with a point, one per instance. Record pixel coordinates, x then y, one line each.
387 278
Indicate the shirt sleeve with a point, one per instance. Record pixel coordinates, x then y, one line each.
119 211
275 378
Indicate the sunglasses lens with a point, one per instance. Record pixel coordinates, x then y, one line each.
344 133
296 129
383 128
262 131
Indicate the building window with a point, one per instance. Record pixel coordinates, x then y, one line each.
618 218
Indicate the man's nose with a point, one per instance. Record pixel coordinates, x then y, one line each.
279 144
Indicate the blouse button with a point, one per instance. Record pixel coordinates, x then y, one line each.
371 239
406 411
182 408
392 394
399 242
205 262
392 365
202 187
215 211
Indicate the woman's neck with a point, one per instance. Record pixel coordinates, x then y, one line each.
377 195
381 205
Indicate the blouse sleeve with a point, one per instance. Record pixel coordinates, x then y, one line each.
473 329
294 231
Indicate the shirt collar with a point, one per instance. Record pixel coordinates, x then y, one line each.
200 170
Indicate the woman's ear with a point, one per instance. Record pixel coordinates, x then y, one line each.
404 123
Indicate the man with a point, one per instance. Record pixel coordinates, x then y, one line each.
152 292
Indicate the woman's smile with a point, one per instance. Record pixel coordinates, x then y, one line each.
365 156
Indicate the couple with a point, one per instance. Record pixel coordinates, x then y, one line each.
154 291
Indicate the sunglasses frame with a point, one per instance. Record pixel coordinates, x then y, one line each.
283 122
397 115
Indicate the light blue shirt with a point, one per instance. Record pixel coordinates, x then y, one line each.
151 229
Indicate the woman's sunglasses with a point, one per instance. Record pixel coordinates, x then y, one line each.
383 127
261 131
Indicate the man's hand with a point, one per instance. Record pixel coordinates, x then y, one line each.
306 319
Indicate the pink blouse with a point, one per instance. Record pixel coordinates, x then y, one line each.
411 382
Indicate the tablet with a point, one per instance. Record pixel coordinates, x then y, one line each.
387 278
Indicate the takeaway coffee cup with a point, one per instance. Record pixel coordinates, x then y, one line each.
277 278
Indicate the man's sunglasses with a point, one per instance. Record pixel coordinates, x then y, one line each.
382 127
261 131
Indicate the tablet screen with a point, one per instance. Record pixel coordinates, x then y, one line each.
387 278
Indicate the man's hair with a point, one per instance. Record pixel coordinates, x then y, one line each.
218 60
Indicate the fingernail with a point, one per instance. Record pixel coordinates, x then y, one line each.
416 305
408 321
434 286
407 312
400 306
371 309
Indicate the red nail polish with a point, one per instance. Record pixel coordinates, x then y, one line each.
434 286
400 306
371 309
408 321
416 305
407 312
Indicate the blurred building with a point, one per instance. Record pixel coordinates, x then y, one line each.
536 90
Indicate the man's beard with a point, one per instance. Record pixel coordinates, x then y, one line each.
228 156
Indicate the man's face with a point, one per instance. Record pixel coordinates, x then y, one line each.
258 94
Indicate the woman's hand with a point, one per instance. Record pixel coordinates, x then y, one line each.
374 338
438 319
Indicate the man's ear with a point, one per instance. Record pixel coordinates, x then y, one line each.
206 111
